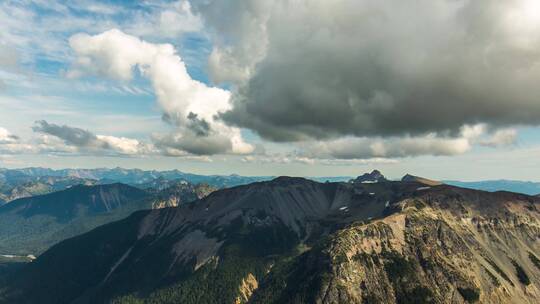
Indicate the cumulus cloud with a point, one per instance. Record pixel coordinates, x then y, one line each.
190 105
81 140
331 69
348 79
246 27
294 158
177 144
6 137
72 136
12 144
167 20
398 147
503 137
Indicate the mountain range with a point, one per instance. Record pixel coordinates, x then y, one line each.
31 225
134 177
526 187
17 183
293 240
14 187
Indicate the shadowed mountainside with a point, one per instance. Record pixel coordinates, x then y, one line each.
31 225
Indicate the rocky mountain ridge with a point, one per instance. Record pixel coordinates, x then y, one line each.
291 240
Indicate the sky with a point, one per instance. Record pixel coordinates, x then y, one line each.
446 89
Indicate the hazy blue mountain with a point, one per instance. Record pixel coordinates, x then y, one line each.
141 178
153 178
531 188
293 240
134 177
26 186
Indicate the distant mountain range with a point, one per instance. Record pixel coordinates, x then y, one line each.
293 240
530 188
14 187
17 183
134 177
20 183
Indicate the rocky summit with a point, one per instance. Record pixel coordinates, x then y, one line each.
292 240
374 177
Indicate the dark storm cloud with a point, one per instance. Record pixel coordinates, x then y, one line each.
82 141
177 144
371 68
198 125
73 136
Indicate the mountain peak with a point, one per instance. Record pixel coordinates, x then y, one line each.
374 177
288 180
418 179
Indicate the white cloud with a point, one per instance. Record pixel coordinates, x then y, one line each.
292 158
38 29
355 105
190 105
397 147
501 138
6 137
12 144
168 20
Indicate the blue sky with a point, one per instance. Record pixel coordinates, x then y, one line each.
66 101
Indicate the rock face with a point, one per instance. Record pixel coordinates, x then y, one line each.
374 177
180 193
437 249
292 240
422 180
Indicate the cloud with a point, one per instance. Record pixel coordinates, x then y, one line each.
240 40
37 30
501 138
177 144
189 105
8 58
12 144
365 148
72 136
373 68
86 141
293 158
166 20
408 146
6 137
